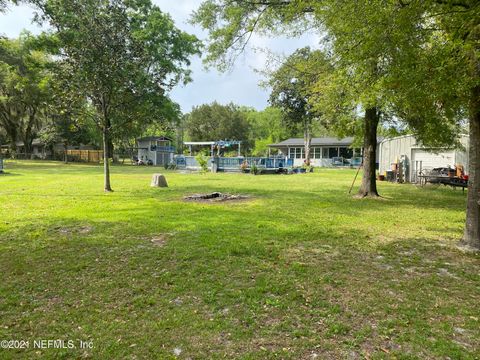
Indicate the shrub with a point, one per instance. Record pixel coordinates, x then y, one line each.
202 160
254 169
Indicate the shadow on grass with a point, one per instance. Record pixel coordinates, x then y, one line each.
8 174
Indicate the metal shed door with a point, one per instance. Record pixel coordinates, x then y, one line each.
432 160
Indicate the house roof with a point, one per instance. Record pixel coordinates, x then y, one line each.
219 142
154 138
322 141
315 141
35 142
204 143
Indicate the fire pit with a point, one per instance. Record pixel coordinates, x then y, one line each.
215 196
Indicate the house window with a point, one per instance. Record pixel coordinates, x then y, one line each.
316 153
299 153
291 153
296 153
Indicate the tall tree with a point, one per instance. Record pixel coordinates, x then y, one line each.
125 56
24 80
66 122
292 85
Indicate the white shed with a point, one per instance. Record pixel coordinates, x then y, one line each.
157 149
417 157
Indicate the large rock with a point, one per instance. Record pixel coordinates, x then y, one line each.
158 180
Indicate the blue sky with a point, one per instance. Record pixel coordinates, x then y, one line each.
240 85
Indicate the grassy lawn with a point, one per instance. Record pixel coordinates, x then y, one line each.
300 271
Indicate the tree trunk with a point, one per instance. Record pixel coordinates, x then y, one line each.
65 155
307 141
111 150
27 147
9 122
13 148
28 138
471 236
106 158
369 184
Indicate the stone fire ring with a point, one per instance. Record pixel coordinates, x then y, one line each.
215 196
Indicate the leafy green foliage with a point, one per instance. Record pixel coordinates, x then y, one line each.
292 87
68 115
202 160
291 91
266 127
231 24
254 169
25 76
294 90
212 122
388 57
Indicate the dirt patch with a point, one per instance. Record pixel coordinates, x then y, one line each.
70 230
215 197
160 240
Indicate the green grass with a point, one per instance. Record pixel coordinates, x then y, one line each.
302 269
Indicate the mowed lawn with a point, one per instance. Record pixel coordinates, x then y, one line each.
300 271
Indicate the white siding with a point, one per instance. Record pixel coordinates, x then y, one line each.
432 160
390 151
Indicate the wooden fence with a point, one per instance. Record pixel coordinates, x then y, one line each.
90 156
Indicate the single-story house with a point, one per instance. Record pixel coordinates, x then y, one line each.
158 149
415 157
324 151
40 150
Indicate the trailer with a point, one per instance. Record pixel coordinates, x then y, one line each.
444 176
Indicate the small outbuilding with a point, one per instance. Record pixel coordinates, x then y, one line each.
157 149
414 158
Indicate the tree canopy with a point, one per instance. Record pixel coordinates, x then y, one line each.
214 121
25 77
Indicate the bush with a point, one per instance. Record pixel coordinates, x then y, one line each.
254 169
308 168
202 160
